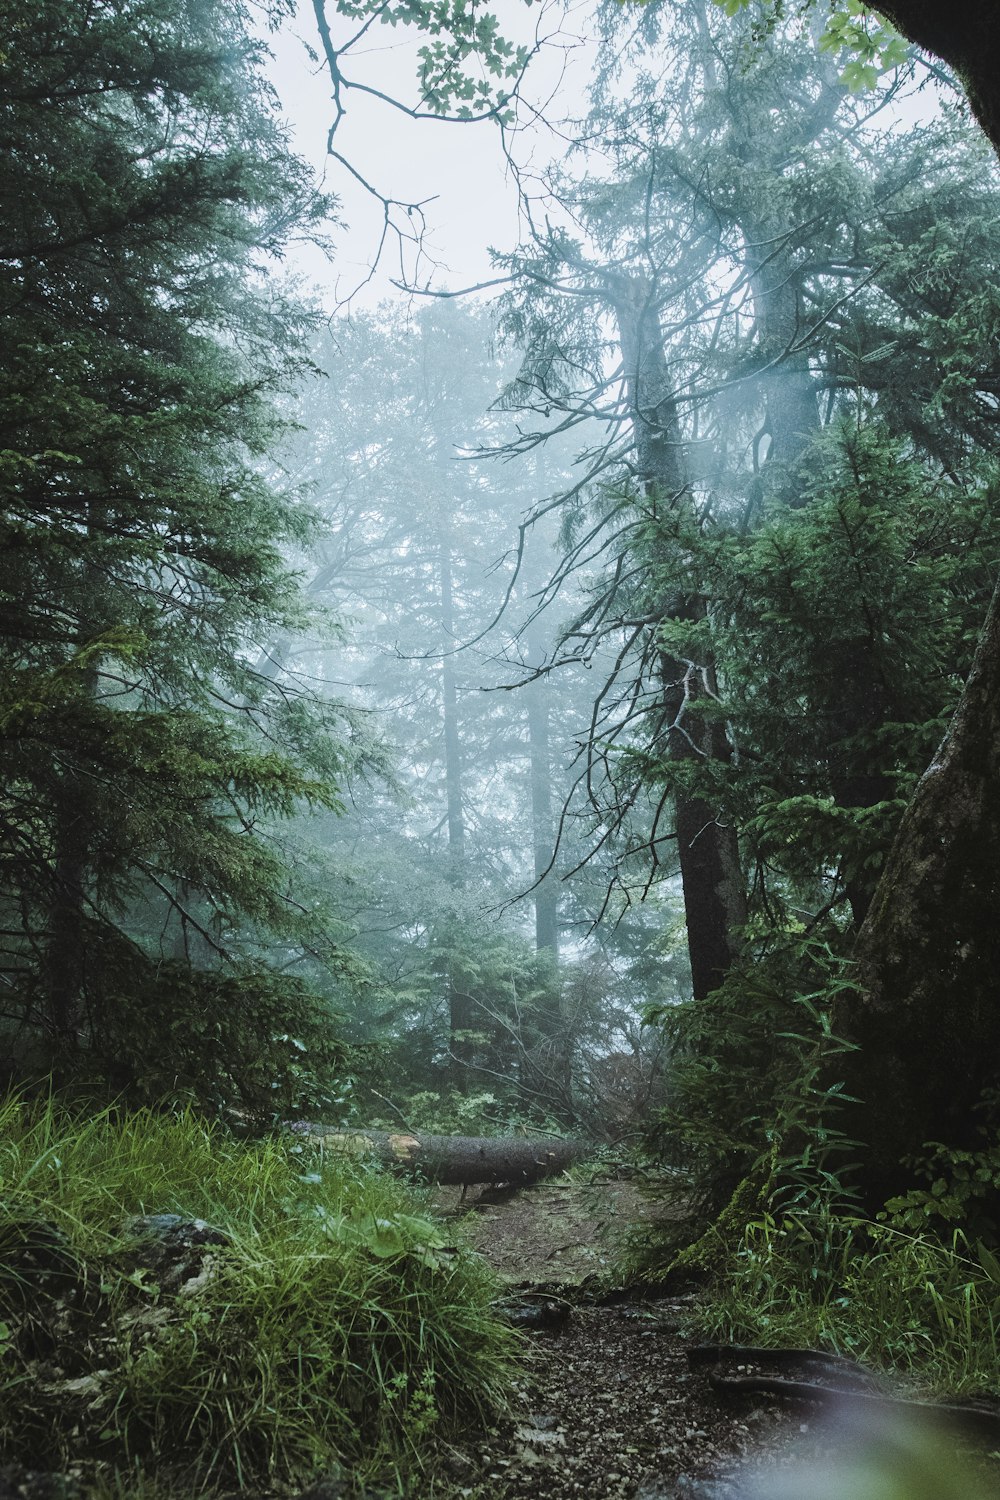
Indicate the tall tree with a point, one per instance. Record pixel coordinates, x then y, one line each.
149 189
786 258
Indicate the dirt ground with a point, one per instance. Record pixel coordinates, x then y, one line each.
554 1233
609 1406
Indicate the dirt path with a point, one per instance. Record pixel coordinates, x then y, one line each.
554 1233
608 1407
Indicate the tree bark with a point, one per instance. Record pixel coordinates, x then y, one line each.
550 1058
966 35
546 891
454 1159
926 1017
789 391
715 906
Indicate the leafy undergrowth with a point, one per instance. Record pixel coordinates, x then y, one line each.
329 1328
917 1305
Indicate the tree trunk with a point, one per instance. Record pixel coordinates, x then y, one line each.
714 895
966 35
789 390
855 780
454 1159
550 1055
459 1001
926 1017
546 891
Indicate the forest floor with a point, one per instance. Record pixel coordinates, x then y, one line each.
608 1407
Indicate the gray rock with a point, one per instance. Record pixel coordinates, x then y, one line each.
173 1249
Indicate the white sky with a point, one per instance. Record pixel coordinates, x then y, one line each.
460 166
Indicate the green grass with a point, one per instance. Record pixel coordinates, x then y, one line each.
925 1308
335 1328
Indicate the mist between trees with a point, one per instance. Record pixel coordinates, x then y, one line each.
401 711
571 711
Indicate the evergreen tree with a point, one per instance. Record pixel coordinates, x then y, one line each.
148 188
788 274
391 440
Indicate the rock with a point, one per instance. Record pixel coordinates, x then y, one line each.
174 1249
533 1311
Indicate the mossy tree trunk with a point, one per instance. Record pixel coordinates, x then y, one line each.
927 1013
966 34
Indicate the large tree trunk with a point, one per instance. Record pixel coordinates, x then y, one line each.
453 1159
927 1017
789 390
714 894
966 35
858 780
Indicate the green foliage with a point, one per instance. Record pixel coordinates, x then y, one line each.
478 1112
460 35
963 1189
335 1327
142 752
752 1091
247 1043
845 631
854 32
910 1303
785 1258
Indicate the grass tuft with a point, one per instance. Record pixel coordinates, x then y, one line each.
334 1328
924 1308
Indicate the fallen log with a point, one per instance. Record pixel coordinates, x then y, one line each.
858 1389
452 1159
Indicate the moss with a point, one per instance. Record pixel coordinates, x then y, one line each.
704 1257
